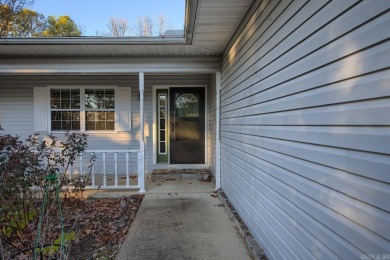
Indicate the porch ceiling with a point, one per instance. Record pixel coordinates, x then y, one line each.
210 25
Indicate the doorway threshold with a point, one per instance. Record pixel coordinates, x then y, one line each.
178 174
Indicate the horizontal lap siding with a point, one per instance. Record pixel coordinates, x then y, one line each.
17 110
17 107
305 127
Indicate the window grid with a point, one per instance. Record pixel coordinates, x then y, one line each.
99 110
65 109
162 116
82 109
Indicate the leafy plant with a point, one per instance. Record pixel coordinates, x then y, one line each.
25 168
16 219
50 250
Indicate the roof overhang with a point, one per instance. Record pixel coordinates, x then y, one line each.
209 25
109 65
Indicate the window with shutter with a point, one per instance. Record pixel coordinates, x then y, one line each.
83 109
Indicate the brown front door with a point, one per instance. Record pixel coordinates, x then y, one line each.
187 118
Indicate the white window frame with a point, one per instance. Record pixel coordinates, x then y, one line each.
82 107
166 124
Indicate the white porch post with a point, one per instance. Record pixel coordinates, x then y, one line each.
217 131
141 155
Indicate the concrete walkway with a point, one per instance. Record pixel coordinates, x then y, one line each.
181 220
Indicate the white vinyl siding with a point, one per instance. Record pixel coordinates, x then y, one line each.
305 127
124 109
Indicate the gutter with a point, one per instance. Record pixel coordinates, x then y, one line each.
94 41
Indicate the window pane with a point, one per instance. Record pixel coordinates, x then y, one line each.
66 125
65 98
75 125
187 117
55 125
90 125
55 98
162 112
102 121
101 116
162 123
76 116
162 147
101 125
186 105
109 99
162 135
90 121
55 116
110 125
110 116
90 116
65 120
75 120
162 100
90 100
66 116
99 99
110 121
75 99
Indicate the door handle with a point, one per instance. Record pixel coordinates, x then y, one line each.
173 127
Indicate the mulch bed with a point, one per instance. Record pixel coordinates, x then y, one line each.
100 225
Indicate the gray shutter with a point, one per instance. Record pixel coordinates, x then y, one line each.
40 109
124 109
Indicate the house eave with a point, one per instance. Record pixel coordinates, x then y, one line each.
108 65
94 41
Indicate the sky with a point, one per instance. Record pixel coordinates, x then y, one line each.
93 15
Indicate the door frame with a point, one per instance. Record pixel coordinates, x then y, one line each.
155 137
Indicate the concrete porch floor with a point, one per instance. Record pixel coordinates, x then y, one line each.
179 219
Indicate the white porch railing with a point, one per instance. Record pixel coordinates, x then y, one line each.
111 162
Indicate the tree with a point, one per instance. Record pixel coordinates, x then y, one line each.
162 24
118 27
16 21
8 10
144 26
63 26
27 23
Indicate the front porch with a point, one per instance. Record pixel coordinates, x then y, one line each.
128 170
126 155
